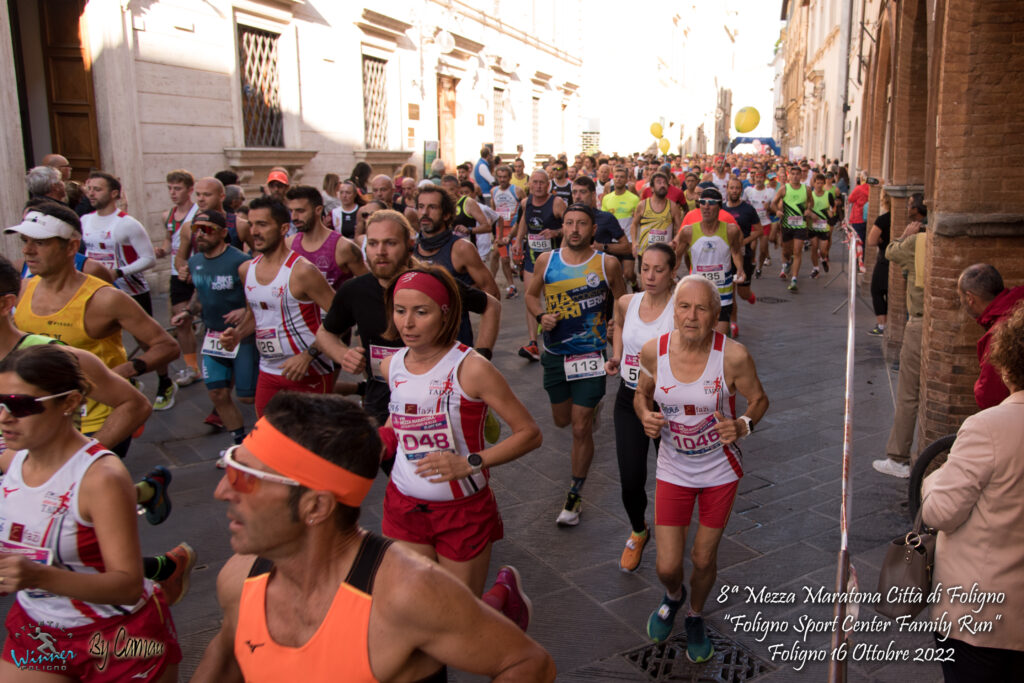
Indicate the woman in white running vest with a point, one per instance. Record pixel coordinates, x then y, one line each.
438 501
69 546
638 319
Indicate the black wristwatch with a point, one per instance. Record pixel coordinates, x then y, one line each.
118 274
313 352
476 462
140 366
538 317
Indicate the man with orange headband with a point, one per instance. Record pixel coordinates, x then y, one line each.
293 490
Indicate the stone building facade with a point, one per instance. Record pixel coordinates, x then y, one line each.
141 87
939 117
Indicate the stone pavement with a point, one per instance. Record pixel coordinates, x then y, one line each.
783 533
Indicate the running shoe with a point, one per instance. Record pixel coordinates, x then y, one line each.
792 285
158 508
634 550
165 399
767 261
659 624
876 331
530 351
752 299
570 514
517 606
186 376
892 468
824 263
815 272
757 273
492 428
176 585
734 330
511 292
213 419
698 646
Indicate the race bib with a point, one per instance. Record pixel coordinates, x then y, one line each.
715 274
268 344
505 213
104 258
31 552
419 435
377 356
631 370
820 225
696 440
657 237
584 365
213 347
795 221
762 215
538 243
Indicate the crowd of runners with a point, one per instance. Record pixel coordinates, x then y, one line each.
360 320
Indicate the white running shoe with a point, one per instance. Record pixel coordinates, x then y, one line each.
892 468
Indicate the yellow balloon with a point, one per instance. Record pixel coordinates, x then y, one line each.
747 119
663 145
656 129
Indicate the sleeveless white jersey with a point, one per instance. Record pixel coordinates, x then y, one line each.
711 258
506 202
760 200
636 333
106 241
285 326
431 412
691 453
47 516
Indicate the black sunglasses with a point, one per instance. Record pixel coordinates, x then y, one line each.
708 202
23 405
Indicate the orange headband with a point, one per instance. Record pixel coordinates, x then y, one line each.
276 450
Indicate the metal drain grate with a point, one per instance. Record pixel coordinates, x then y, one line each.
772 300
667 661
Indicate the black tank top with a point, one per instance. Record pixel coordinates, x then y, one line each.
563 191
443 258
361 577
348 223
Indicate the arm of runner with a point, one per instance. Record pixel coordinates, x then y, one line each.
131 233
736 250
520 230
348 256
613 269
466 258
97 269
490 322
181 258
307 283
130 407
429 610
482 381
533 292
165 245
244 233
118 307
643 399
231 336
634 227
611 366
683 243
777 201
483 223
106 500
218 663
339 320
741 377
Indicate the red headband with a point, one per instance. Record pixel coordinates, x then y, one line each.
427 284
276 450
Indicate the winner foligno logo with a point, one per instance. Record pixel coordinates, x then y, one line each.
39 650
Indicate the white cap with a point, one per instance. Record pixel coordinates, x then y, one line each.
41 226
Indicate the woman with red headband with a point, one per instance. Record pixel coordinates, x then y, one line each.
438 501
69 546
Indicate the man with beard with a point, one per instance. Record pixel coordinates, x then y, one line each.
285 293
656 218
220 297
336 257
439 245
359 303
540 224
561 184
575 283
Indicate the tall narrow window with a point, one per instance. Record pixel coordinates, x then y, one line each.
536 125
499 119
261 99
375 103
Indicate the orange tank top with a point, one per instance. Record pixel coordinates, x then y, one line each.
339 644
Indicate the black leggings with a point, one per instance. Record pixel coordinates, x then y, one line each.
631 449
880 286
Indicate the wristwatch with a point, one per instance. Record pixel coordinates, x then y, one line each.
313 352
476 462
750 424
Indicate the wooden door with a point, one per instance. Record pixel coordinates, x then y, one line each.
446 120
69 88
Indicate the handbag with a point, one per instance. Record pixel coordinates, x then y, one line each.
907 567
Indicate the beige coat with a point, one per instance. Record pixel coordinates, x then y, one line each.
976 500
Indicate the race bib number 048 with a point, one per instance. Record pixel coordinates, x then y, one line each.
584 365
422 434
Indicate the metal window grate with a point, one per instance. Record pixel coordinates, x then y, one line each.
261 99
499 119
375 103
536 124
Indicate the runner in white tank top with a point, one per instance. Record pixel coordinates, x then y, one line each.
285 326
635 333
